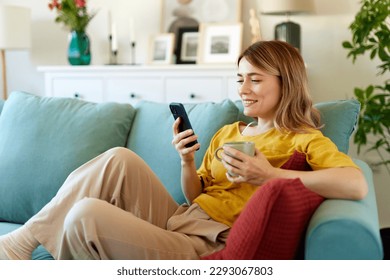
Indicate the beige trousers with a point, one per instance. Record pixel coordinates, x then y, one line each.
115 207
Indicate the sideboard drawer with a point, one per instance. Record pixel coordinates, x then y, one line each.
133 83
191 90
132 90
85 89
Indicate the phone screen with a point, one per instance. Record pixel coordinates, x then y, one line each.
178 111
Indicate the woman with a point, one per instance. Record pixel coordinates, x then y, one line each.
114 207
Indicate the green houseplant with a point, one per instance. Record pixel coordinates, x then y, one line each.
371 33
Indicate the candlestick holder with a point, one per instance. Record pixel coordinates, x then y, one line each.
113 58
133 45
113 54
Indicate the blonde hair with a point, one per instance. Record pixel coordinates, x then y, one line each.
295 111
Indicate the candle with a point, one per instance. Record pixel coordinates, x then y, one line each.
114 40
131 29
109 22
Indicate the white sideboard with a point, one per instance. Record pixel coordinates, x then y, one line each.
131 84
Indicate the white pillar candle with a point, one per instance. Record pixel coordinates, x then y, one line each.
109 22
114 40
132 30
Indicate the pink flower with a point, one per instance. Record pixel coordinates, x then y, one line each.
72 13
80 3
54 4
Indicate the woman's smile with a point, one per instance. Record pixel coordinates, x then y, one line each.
249 102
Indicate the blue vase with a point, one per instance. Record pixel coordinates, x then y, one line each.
79 52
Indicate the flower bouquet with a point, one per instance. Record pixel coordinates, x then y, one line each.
74 15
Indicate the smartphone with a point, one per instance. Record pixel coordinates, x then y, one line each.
178 111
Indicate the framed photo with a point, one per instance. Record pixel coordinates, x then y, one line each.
219 43
161 49
205 11
187 45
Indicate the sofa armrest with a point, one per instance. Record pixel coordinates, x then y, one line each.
345 229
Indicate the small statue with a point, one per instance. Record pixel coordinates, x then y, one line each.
255 26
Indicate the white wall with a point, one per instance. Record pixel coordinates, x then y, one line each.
49 39
331 74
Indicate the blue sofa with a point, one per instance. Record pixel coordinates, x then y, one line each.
43 139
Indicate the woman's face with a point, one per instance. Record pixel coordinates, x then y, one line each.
260 92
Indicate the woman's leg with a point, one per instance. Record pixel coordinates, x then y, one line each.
95 229
117 176
17 245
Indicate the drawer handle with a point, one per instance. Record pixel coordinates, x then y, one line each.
192 96
133 95
77 95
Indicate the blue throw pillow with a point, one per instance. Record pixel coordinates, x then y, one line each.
43 139
151 136
339 118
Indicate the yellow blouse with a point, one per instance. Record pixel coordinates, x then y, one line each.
223 200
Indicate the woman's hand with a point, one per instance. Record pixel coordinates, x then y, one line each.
181 139
253 170
190 182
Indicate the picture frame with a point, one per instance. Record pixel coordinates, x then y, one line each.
161 48
219 43
203 11
187 45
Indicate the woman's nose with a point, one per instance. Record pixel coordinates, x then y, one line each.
243 88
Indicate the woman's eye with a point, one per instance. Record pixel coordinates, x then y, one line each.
256 81
240 81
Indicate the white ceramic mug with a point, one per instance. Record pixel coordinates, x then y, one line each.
243 146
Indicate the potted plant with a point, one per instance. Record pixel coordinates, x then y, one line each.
371 33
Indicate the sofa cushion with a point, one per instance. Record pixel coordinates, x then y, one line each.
339 119
272 224
43 139
151 136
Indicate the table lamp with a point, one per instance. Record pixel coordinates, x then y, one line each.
15 33
287 31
